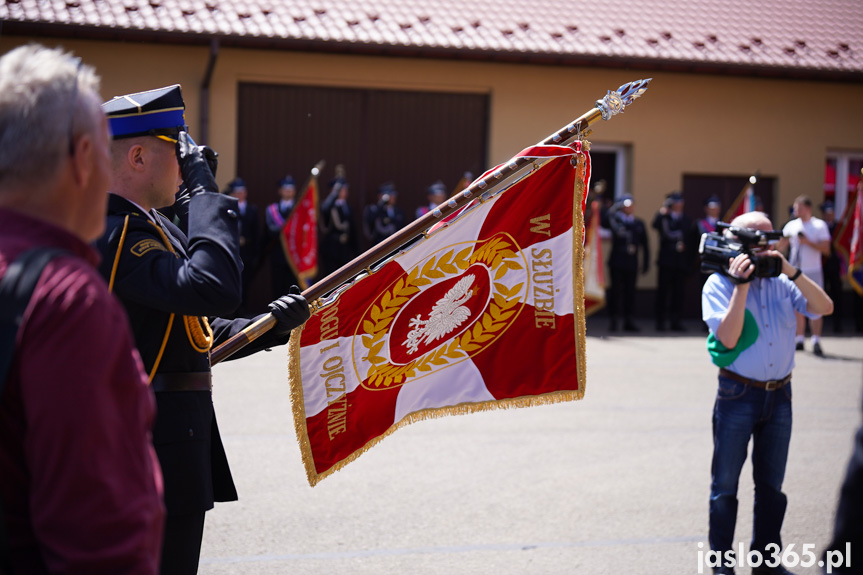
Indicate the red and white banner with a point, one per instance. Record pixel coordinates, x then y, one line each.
299 237
486 312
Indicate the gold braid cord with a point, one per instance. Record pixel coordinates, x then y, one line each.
111 289
198 329
199 332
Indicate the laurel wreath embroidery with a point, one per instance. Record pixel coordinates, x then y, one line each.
497 256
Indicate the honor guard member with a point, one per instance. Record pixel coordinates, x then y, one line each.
250 236
383 219
436 194
706 225
675 255
172 284
338 231
832 266
282 274
628 236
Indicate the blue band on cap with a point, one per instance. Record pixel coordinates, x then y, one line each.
143 123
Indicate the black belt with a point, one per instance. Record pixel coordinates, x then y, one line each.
193 381
768 385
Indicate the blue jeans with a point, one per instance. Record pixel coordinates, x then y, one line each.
740 412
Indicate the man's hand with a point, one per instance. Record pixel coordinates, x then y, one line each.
197 165
290 311
787 268
741 267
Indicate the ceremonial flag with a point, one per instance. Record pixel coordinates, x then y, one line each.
855 257
743 203
844 230
485 312
299 237
594 268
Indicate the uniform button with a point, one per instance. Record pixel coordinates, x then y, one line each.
191 433
232 214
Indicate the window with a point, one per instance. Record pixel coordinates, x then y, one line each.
609 165
841 167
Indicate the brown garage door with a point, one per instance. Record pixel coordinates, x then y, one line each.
409 138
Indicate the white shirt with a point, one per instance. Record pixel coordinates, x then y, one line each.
806 257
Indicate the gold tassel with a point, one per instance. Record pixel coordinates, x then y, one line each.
195 330
198 329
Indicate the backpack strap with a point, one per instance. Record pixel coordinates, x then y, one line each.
16 288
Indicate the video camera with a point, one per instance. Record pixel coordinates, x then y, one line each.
716 249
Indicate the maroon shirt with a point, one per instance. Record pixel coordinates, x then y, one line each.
80 483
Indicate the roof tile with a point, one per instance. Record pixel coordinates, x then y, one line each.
782 34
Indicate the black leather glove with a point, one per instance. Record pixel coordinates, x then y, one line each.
197 165
182 198
290 311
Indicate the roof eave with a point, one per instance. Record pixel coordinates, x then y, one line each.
55 30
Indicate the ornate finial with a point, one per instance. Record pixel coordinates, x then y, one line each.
316 170
614 102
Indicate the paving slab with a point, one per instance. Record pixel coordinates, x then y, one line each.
615 483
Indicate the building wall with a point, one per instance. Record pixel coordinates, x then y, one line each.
685 123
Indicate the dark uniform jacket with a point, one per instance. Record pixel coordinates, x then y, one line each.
250 237
627 236
282 276
161 275
675 241
382 221
339 236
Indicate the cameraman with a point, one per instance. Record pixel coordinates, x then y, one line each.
752 329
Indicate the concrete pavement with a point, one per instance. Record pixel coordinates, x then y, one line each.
615 483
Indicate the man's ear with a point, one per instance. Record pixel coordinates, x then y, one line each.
82 159
136 156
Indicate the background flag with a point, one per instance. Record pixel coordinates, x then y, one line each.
855 257
844 230
743 203
486 312
594 268
299 237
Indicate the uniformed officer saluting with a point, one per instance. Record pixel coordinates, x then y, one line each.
172 283
628 236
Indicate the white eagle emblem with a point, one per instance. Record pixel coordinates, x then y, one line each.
446 315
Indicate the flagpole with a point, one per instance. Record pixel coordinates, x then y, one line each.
741 197
330 287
